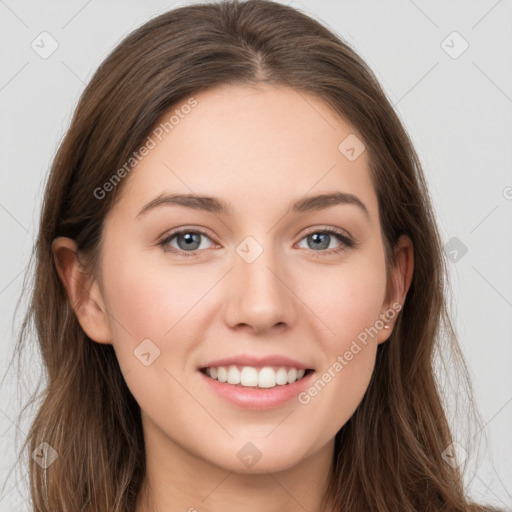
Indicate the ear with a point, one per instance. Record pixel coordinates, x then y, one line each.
398 285
83 293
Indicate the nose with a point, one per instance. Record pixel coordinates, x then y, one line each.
259 296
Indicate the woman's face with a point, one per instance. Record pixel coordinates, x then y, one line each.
258 279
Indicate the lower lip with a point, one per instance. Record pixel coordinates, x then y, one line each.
258 398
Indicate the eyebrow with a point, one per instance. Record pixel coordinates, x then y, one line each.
216 205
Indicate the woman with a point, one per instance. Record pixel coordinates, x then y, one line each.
239 282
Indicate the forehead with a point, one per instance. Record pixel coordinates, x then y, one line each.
260 146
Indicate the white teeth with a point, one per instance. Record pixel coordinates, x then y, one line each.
292 375
249 376
267 378
233 375
222 374
282 376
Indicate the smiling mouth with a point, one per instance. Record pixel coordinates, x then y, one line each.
256 377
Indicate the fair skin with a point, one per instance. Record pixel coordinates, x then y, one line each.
260 149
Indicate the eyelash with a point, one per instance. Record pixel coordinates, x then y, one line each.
346 242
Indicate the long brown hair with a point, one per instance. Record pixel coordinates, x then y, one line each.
389 455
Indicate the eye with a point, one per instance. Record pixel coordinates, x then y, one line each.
187 240
321 239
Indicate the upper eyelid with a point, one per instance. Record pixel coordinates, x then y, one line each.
321 229
179 231
206 232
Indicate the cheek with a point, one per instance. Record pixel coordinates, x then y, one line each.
349 305
347 298
158 303
151 300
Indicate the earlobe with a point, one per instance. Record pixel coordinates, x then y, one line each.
83 293
400 281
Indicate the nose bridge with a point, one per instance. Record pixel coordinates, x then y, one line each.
258 295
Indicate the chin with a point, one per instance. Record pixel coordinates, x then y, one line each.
257 457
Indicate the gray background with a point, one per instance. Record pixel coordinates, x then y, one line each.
458 112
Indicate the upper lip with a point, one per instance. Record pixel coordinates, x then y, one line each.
246 360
